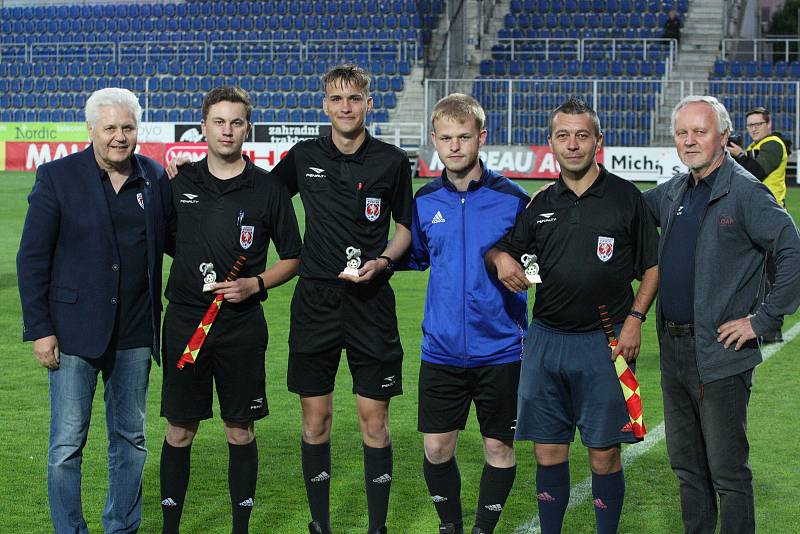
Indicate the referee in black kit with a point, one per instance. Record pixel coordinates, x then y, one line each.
350 184
226 207
592 234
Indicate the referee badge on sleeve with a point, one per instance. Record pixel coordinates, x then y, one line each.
605 248
246 236
372 210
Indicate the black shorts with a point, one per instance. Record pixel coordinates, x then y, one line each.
232 357
330 316
446 391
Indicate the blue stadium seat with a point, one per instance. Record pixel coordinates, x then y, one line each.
277 100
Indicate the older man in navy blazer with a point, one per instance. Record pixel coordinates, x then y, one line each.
89 268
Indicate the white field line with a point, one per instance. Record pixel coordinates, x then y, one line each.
583 490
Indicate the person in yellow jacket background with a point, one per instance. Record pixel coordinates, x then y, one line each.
767 155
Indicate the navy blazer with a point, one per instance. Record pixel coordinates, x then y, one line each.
67 260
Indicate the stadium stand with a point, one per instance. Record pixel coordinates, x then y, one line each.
762 72
556 47
53 56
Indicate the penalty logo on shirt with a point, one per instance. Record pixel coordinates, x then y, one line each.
605 248
372 210
246 236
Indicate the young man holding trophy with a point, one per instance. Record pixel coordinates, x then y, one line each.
590 234
227 211
351 186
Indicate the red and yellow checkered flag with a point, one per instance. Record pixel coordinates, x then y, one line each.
627 380
192 349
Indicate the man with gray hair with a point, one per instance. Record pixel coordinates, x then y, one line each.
719 224
89 269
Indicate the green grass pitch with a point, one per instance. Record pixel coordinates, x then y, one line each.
652 504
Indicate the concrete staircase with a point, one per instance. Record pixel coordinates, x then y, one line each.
410 108
501 9
700 43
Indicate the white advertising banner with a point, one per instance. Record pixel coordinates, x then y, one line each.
643 164
156 132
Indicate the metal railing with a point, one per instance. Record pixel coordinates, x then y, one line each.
158 50
407 135
625 105
13 52
72 51
770 49
397 49
582 48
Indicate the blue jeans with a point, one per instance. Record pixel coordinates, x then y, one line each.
706 428
72 386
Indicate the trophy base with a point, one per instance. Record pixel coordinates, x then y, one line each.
208 287
349 271
534 278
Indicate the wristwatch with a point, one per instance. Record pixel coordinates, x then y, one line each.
389 263
262 289
639 315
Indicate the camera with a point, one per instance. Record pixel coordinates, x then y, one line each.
736 138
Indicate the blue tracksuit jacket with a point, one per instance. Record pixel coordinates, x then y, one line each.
471 320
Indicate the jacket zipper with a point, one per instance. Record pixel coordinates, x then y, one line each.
464 272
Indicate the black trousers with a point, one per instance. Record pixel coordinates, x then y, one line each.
706 429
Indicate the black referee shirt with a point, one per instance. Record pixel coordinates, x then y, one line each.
219 220
347 199
134 326
589 250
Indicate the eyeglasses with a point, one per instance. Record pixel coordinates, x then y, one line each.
756 125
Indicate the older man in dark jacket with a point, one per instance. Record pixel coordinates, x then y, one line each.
89 268
718 225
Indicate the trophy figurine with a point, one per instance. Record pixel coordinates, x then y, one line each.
531 268
353 261
209 276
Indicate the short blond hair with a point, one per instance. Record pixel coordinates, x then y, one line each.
347 74
459 107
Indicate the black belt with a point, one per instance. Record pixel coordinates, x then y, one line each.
679 330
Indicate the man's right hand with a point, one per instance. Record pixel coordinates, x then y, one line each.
510 272
172 168
46 351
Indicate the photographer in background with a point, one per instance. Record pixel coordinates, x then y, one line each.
766 156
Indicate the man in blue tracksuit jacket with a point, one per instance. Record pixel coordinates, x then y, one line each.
474 327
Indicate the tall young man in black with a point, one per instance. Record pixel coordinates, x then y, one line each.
226 207
351 185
